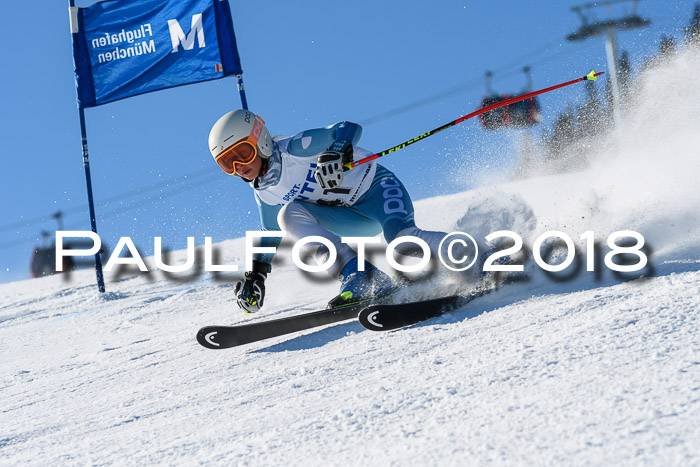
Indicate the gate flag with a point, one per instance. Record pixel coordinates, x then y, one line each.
122 48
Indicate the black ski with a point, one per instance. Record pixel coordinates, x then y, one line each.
390 317
224 337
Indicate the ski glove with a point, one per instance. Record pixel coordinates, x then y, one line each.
250 291
329 169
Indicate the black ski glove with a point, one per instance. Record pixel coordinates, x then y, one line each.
250 291
344 147
329 169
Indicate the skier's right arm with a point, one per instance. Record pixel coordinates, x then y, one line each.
268 221
250 291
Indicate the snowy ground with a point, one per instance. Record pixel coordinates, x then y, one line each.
602 375
595 369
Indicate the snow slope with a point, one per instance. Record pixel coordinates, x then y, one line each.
594 369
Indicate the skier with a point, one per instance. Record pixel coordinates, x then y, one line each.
300 187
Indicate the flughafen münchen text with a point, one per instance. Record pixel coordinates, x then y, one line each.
115 42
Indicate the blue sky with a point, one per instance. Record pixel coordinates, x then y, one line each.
306 64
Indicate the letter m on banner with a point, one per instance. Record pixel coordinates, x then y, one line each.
177 36
122 48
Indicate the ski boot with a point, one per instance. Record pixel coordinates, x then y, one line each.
358 286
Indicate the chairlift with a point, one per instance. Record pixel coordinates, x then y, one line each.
521 114
43 260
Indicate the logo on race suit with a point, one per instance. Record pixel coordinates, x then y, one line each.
292 193
307 188
393 194
178 38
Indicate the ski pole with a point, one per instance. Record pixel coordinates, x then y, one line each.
592 76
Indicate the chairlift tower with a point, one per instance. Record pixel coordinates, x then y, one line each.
58 215
608 28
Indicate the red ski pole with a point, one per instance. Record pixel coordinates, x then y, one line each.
592 76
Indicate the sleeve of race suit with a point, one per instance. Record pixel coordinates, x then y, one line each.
268 221
313 142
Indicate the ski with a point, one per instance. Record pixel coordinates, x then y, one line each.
224 337
390 317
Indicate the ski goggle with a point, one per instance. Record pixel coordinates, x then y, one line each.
243 152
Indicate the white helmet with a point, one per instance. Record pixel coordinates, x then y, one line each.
236 126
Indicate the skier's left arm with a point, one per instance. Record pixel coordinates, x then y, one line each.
311 143
332 146
329 169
